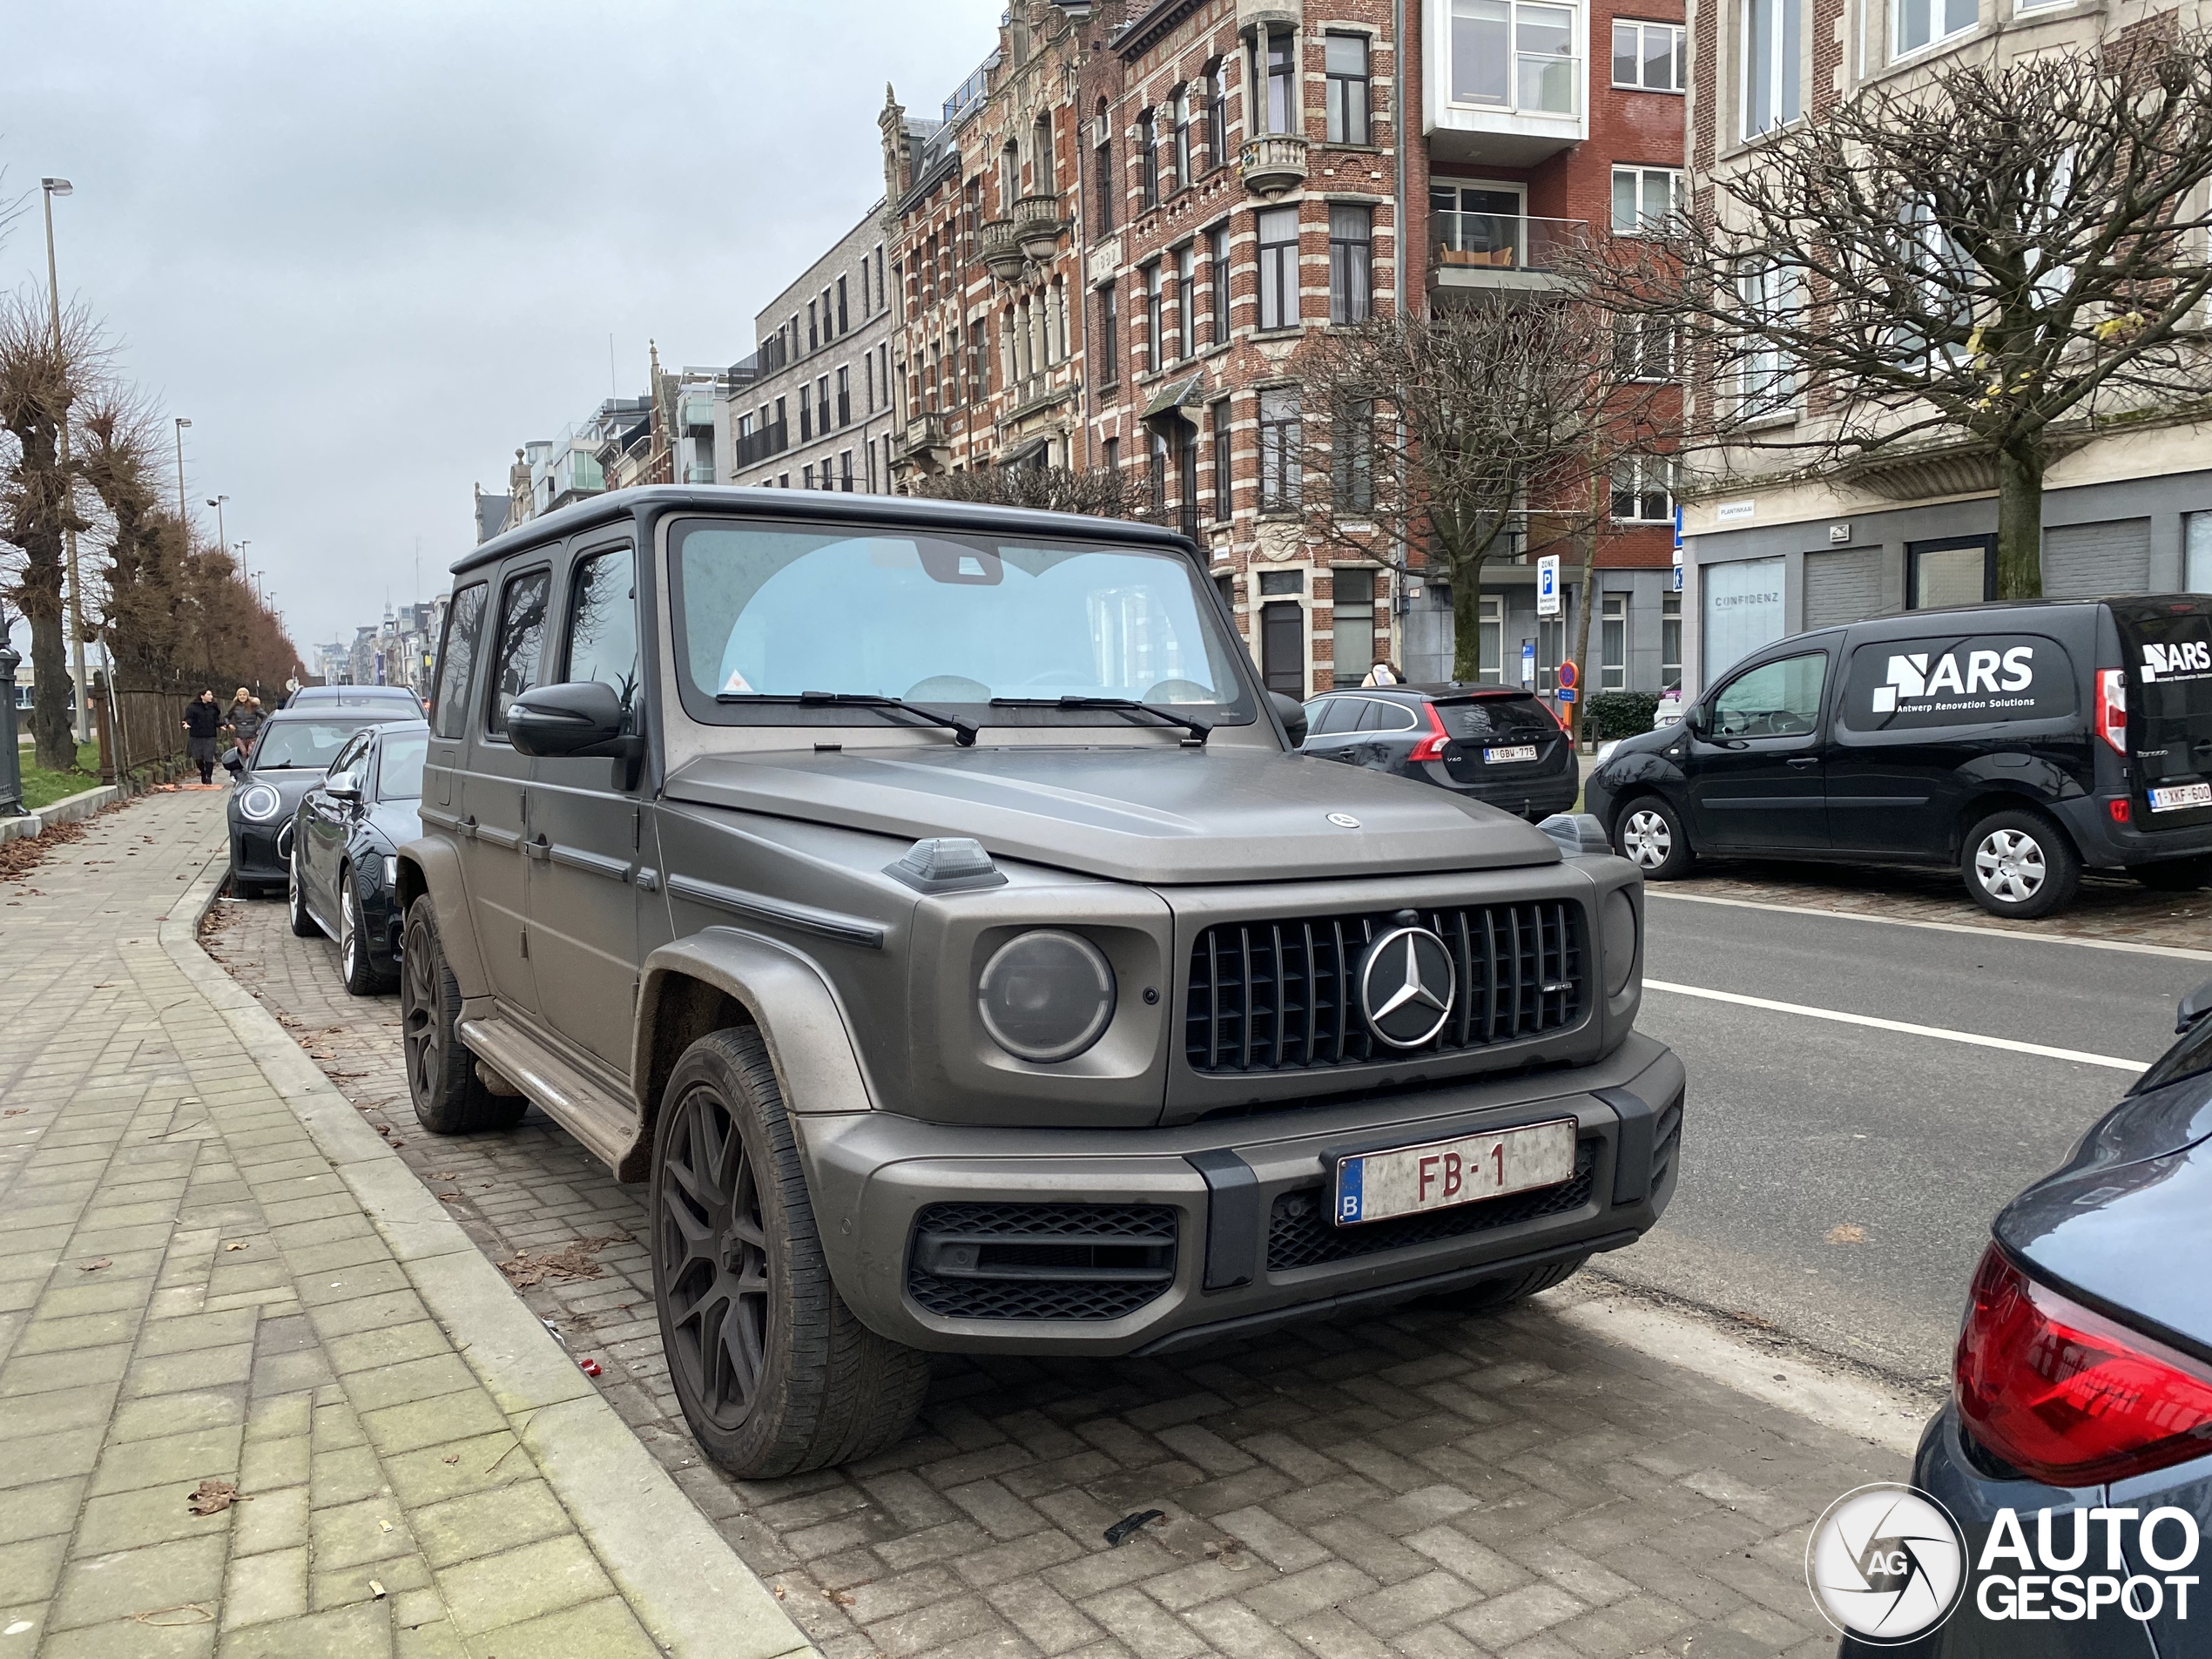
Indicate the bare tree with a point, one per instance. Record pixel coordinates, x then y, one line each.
1991 264
1102 492
1478 431
39 379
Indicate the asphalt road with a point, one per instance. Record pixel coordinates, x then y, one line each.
1839 1180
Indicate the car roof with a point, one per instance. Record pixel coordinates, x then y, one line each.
802 506
360 713
1443 692
352 694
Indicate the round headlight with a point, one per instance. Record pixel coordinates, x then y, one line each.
1047 995
1618 930
261 804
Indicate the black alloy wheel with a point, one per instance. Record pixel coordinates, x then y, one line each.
713 1257
449 1098
363 977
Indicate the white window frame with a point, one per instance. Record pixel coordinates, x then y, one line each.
1766 380
1577 33
1613 632
1679 57
1669 614
1899 51
1785 67
1644 474
1643 176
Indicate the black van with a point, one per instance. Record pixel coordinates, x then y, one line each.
2020 742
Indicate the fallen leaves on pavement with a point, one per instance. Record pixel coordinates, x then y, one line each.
1846 1234
94 1267
572 1260
212 1498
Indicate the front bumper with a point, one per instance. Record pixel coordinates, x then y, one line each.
1214 1229
261 852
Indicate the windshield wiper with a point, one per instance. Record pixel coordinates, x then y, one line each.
1199 730
964 732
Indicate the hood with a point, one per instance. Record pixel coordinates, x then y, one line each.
1153 814
291 783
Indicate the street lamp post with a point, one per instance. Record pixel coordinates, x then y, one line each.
217 505
184 510
50 188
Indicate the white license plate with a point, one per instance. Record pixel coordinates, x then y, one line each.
2180 796
1374 1186
1504 757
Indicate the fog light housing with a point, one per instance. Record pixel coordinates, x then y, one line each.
1046 995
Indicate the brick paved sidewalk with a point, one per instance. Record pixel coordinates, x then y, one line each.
1424 1484
202 1289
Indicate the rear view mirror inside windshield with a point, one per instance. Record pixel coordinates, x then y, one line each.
955 562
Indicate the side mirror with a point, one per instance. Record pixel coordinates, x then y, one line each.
582 718
339 789
234 759
1292 714
2195 1006
1694 718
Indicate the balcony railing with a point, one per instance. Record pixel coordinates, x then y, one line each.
763 363
924 432
698 410
756 447
1000 241
1502 241
1037 225
701 473
1540 84
1273 163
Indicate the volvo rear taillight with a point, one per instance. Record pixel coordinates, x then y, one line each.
2112 708
1431 746
2068 1396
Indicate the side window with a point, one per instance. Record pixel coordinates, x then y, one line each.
602 623
1778 699
349 767
1318 713
457 659
522 642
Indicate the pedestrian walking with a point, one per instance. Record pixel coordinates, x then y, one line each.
246 722
1385 672
203 723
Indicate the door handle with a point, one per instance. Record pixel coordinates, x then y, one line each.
1806 760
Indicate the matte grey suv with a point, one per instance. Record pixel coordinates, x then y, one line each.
928 901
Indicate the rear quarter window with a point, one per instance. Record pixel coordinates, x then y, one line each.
1506 720
2172 659
1943 680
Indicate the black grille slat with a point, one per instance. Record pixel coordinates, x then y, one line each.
1299 1233
1281 995
1056 1239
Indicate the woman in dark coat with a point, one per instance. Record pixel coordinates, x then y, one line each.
203 720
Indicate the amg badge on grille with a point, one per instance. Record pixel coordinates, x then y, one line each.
1406 987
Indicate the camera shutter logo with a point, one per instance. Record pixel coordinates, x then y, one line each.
1406 987
1887 1564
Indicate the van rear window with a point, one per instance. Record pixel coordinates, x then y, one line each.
1956 679
2172 658
1499 719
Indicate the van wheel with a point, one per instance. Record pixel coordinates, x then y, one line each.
2174 875
2020 864
774 1373
449 1098
1651 836
1490 1295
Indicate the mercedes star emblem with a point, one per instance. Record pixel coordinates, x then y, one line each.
1344 820
1407 986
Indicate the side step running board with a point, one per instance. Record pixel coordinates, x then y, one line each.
605 1122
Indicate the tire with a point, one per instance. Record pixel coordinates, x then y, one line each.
363 977
295 899
2174 875
2019 863
1494 1295
449 1098
774 1373
1649 834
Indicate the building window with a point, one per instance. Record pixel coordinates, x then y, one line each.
1772 40
1643 490
807 475
1764 384
805 419
1643 348
1649 56
841 297
1113 454
1148 162
1218 113
1612 643
1275 54
1347 58
845 470
1153 283
1515 55
978 360
1043 180
1102 168
1158 481
845 396
2196 552
1645 200
867 364
1224 481
1352 457
1217 256
822 404
1109 333
1921 22
1352 262
1278 292
1183 173
1670 640
1282 441
1186 318
813 338
1959 572
1354 625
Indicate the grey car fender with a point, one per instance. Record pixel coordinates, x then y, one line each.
432 865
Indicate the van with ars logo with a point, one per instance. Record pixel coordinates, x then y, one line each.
2019 743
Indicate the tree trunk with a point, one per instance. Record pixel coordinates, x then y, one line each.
2020 525
1467 620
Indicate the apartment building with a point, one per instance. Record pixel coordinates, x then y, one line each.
811 408
1767 556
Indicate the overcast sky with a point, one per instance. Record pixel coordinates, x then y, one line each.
370 249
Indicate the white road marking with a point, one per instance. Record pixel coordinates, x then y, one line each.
1936 926
2111 1061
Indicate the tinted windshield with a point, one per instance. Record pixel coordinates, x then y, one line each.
291 743
1506 720
766 612
2173 663
400 776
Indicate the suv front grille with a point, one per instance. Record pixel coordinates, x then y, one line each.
1279 995
1299 1233
1040 1261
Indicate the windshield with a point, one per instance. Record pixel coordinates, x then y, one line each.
1503 720
310 744
768 612
400 776
2172 656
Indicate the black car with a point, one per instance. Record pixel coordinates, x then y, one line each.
287 760
357 697
344 837
2083 1388
1490 743
2018 744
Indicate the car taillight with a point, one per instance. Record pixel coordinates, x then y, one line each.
1431 746
2112 708
2067 1396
